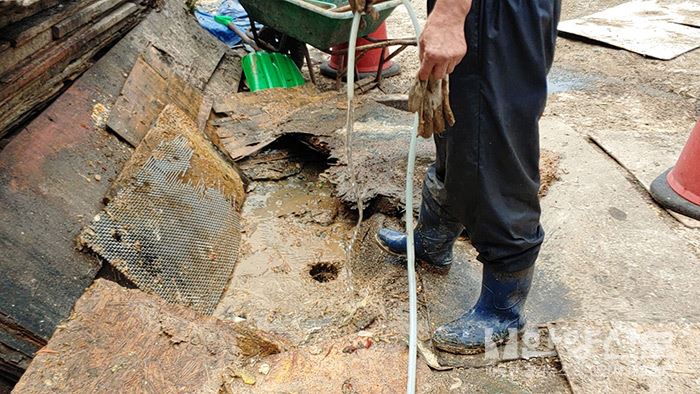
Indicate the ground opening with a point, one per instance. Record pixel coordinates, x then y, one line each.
323 272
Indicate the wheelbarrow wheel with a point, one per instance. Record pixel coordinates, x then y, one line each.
284 44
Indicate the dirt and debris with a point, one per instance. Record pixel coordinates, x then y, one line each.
549 167
347 364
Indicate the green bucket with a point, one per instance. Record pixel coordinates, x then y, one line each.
265 70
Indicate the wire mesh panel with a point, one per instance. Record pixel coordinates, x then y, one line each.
168 236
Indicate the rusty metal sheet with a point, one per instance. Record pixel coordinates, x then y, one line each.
173 228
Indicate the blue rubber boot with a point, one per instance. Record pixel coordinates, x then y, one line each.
434 237
497 313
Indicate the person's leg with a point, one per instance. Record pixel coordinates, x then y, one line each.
435 233
495 192
439 224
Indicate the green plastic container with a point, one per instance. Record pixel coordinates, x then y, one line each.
265 70
315 25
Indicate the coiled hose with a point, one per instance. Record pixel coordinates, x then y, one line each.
410 249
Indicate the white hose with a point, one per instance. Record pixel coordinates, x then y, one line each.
410 249
349 122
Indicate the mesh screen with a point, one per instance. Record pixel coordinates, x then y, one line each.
172 238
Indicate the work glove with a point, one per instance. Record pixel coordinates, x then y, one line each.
431 99
364 7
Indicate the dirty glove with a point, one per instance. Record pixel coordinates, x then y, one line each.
364 7
431 99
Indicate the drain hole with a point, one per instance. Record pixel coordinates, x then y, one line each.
323 272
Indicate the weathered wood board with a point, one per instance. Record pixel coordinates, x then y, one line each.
659 29
21 32
89 13
227 76
619 356
151 85
14 11
381 136
653 153
14 55
61 53
119 340
50 48
251 121
41 76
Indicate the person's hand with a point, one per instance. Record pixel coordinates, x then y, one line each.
442 43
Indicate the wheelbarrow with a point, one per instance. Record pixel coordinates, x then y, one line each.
323 24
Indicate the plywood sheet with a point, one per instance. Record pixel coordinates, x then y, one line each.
652 153
619 356
151 85
118 339
662 30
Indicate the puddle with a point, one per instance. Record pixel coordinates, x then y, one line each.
561 80
288 278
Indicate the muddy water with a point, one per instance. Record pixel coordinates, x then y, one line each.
290 277
562 80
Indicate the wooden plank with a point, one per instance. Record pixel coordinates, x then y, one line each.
190 51
62 52
118 338
12 363
23 31
82 17
62 63
227 76
148 89
11 12
15 55
654 152
42 274
620 356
